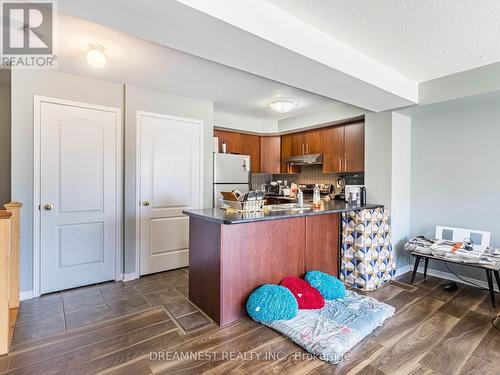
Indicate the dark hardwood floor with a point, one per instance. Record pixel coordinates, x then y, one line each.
148 326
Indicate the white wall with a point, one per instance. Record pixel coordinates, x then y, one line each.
4 143
331 114
137 98
387 172
378 155
456 169
244 123
26 84
400 184
478 81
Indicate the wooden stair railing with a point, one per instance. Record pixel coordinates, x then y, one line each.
9 272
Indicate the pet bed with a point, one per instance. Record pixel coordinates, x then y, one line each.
331 331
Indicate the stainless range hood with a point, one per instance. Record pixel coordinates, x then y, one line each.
310 159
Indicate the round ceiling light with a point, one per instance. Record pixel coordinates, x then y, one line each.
95 56
283 105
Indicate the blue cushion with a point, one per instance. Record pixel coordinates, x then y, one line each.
269 302
329 286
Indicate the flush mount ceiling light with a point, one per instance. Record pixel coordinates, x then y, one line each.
95 56
283 105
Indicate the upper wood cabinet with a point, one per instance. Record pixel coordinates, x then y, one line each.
333 154
270 154
231 139
354 147
344 148
287 151
243 144
314 141
250 145
298 143
309 142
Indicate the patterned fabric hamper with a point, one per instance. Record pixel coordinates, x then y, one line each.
367 255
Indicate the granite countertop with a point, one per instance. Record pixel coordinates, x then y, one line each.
221 216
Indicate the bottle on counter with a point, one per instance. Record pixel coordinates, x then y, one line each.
362 194
300 198
316 197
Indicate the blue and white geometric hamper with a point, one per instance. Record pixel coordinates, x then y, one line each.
367 254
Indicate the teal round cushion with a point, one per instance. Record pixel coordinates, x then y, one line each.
270 302
329 286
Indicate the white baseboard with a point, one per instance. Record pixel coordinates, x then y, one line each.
446 275
28 294
130 276
452 277
403 270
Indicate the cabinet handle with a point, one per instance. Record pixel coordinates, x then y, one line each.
302 149
340 164
308 150
346 164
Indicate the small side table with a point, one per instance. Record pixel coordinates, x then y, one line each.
490 269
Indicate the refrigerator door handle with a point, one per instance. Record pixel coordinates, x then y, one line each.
246 165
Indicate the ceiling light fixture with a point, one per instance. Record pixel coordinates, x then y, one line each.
95 56
283 105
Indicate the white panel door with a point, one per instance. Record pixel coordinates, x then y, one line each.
170 181
78 193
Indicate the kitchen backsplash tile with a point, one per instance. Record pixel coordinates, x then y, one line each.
313 174
310 174
260 178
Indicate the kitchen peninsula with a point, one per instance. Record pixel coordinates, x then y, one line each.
231 254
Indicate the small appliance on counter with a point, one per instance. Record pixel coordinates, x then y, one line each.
353 193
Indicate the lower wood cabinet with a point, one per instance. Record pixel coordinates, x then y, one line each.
229 261
322 243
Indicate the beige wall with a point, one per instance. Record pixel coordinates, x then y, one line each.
4 143
26 84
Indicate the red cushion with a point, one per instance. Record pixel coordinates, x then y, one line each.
306 295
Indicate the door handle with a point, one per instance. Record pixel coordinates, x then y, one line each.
48 207
146 203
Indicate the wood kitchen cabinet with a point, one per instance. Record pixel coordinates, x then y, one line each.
344 148
354 147
314 141
243 144
298 143
333 155
231 139
286 152
250 145
270 154
322 243
309 142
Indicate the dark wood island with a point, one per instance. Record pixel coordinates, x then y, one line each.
231 254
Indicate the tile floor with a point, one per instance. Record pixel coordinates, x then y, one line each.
75 308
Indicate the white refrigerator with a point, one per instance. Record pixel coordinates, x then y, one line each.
230 172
